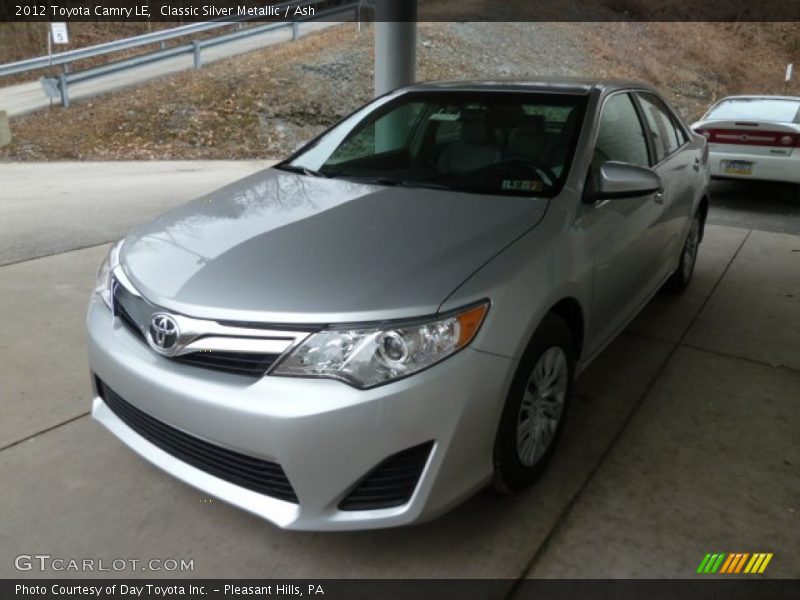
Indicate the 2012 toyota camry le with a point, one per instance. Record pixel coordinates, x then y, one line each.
392 318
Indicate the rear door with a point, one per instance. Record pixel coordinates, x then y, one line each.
624 233
679 166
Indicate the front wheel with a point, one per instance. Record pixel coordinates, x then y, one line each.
536 407
681 278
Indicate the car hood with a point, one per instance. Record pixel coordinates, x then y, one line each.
284 248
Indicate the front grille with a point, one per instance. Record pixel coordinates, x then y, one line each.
125 316
239 363
134 313
248 472
391 483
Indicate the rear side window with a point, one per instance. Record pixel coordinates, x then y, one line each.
756 109
620 136
662 128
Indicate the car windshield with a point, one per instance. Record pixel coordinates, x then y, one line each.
504 143
757 109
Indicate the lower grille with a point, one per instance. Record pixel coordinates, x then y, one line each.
239 363
248 472
391 483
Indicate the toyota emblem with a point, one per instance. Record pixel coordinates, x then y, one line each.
163 333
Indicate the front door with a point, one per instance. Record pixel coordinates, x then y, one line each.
625 234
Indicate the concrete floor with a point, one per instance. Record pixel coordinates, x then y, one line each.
683 438
47 208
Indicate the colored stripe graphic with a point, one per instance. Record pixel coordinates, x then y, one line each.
711 562
737 562
765 563
753 562
741 562
732 565
727 564
718 562
703 563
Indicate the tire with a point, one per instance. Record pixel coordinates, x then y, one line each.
682 276
519 458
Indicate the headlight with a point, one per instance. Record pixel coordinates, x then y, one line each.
372 355
103 285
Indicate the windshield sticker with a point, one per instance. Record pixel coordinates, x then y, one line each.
522 185
445 117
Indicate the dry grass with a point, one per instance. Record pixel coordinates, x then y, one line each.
222 111
262 104
695 64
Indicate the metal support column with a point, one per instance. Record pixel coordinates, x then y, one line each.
395 44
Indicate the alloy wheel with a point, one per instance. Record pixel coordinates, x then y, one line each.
690 249
542 406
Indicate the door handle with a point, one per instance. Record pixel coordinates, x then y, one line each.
696 165
659 197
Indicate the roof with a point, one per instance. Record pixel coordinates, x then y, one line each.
761 97
540 84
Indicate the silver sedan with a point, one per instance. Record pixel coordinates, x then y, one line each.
392 318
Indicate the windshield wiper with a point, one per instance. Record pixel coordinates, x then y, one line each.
375 179
302 170
389 181
424 184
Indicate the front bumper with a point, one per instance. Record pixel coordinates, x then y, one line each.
781 168
325 434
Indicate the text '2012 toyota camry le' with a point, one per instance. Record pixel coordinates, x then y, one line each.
392 318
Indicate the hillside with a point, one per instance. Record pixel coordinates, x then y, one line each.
265 103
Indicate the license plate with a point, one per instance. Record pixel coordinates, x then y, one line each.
737 167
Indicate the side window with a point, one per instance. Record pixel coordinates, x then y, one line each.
620 135
679 131
357 146
665 137
388 133
448 132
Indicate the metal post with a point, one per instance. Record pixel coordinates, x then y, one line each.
395 44
63 87
50 56
196 50
295 30
360 13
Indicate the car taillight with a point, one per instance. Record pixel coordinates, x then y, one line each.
750 137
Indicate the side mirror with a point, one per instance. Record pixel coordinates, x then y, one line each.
624 180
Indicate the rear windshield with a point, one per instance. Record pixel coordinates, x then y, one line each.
505 143
756 109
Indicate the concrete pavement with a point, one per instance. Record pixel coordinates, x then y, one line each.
681 441
48 208
756 205
28 97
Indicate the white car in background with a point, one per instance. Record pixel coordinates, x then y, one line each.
754 137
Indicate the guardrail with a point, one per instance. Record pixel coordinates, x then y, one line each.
58 86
